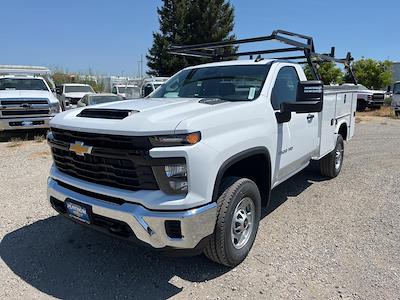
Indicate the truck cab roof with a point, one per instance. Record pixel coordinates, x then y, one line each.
75 84
21 76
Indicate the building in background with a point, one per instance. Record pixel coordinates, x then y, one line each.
110 81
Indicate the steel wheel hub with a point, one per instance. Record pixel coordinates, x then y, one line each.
338 156
242 222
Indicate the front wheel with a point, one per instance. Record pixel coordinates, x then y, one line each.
331 164
239 211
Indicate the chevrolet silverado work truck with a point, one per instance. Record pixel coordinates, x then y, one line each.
191 166
26 99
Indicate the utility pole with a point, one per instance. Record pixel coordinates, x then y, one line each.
140 66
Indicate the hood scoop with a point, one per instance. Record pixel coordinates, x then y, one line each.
104 113
212 101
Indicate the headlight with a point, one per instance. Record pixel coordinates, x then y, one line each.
54 108
172 179
176 140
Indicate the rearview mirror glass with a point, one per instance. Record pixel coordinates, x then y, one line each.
310 90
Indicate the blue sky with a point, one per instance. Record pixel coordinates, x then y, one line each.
108 37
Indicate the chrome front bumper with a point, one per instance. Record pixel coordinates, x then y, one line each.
147 225
7 124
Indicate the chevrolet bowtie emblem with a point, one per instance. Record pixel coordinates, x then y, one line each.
80 149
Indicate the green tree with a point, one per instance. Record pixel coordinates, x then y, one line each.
184 23
329 72
372 73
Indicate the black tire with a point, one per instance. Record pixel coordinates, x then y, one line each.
361 105
328 164
397 113
220 247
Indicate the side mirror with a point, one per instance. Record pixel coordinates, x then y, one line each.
58 91
312 90
389 89
309 100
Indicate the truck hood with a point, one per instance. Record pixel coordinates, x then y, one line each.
76 95
31 94
372 91
151 116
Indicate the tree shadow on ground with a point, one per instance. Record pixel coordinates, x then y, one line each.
64 260
26 135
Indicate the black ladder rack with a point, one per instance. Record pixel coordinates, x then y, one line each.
306 47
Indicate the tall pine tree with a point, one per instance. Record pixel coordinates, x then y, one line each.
185 22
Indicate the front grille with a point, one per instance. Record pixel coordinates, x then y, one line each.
24 107
23 101
30 112
74 100
118 161
378 96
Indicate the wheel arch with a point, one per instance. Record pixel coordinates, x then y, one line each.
233 166
343 129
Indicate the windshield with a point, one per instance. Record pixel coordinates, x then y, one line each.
232 83
22 84
78 89
396 89
103 99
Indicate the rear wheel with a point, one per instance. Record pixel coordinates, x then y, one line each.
331 164
239 211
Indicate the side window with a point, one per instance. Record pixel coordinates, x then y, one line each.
285 88
114 90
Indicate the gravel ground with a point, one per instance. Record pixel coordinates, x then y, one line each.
320 239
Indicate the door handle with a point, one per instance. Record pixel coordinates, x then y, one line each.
310 117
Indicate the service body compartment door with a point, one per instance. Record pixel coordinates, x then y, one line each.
343 104
353 96
327 124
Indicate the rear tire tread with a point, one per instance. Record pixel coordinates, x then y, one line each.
327 163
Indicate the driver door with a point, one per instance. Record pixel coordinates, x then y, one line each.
297 139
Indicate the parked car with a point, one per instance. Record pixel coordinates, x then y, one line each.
367 98
26 101
396 98
151 84
71 93
190 167
126 91
92 99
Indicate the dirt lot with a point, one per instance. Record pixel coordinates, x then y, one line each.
318 240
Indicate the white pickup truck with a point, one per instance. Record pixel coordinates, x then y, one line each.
71 93
396 98
190 167
26 100
367 98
